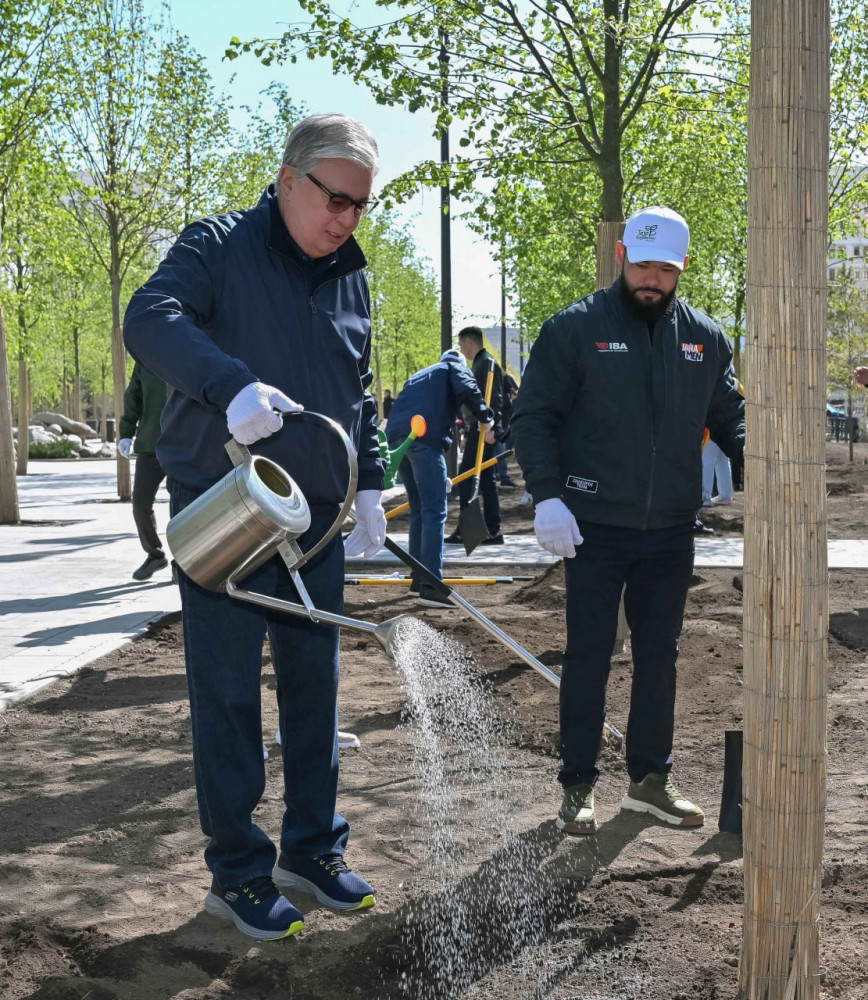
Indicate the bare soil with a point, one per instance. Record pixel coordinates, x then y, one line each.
101 872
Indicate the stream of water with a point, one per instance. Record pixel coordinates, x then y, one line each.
492 900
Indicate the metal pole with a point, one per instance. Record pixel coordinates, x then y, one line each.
445 215
503 315
446 234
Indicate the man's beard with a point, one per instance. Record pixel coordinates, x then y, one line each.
648 312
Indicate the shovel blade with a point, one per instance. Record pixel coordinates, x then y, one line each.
471 525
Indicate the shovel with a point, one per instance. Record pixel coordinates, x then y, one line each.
471 522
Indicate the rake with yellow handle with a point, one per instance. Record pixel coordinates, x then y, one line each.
404 507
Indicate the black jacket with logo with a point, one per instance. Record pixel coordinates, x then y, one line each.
611 420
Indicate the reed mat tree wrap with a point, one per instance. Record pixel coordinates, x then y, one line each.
785 584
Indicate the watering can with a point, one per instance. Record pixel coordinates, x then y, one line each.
257 511
393 458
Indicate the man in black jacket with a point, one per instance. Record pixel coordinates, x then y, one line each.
252 315
608 430
470 343
144 400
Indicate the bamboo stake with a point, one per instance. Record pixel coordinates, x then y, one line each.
785 587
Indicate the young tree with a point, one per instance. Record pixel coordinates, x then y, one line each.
255 153
192 120
121 190
28 66
25 263
405 317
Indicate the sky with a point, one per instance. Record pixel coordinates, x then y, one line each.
404 139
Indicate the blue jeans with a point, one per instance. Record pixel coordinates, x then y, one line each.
654 569
423 472
223 640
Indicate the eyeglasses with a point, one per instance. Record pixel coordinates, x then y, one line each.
339 203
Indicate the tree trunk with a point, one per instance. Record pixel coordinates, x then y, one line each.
119 374
378 379
785 592
608 234
8 484
76 380
103 400
738 317
609 165
23 419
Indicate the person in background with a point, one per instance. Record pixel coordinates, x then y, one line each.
250 316
504 439
470 343
144 399
715 468
608 430
387 404
435 393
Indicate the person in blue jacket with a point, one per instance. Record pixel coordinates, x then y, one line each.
251 315
436 393
607 427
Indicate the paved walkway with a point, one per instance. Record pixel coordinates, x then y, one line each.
66 593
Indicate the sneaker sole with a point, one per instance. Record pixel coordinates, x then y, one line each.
218 907
637 805
289 880
576 829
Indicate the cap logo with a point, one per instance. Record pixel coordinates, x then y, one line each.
647 233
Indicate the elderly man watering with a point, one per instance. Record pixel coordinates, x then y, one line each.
253 314
607 429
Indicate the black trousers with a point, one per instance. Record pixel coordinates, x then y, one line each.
487 485
149 475
653 568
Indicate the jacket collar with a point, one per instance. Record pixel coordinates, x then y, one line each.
347 258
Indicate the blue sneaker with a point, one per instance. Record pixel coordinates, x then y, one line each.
256 908
328 878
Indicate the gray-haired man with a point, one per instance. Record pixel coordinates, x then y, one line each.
250 314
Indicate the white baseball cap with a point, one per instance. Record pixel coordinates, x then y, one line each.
453 354
657 234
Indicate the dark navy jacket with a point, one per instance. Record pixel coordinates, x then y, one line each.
436 393
235 301
612 421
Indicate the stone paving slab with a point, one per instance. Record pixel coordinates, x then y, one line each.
67 597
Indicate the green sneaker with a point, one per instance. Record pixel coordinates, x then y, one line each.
656 795
577 816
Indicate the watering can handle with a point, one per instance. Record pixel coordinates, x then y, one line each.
292 555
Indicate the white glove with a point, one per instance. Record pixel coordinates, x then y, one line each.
125 447
367 538
251 414
556 528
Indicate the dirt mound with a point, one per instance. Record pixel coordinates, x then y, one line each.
547 592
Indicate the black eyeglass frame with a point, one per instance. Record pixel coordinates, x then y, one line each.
362 206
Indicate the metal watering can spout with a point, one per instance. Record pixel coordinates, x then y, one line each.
255 512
